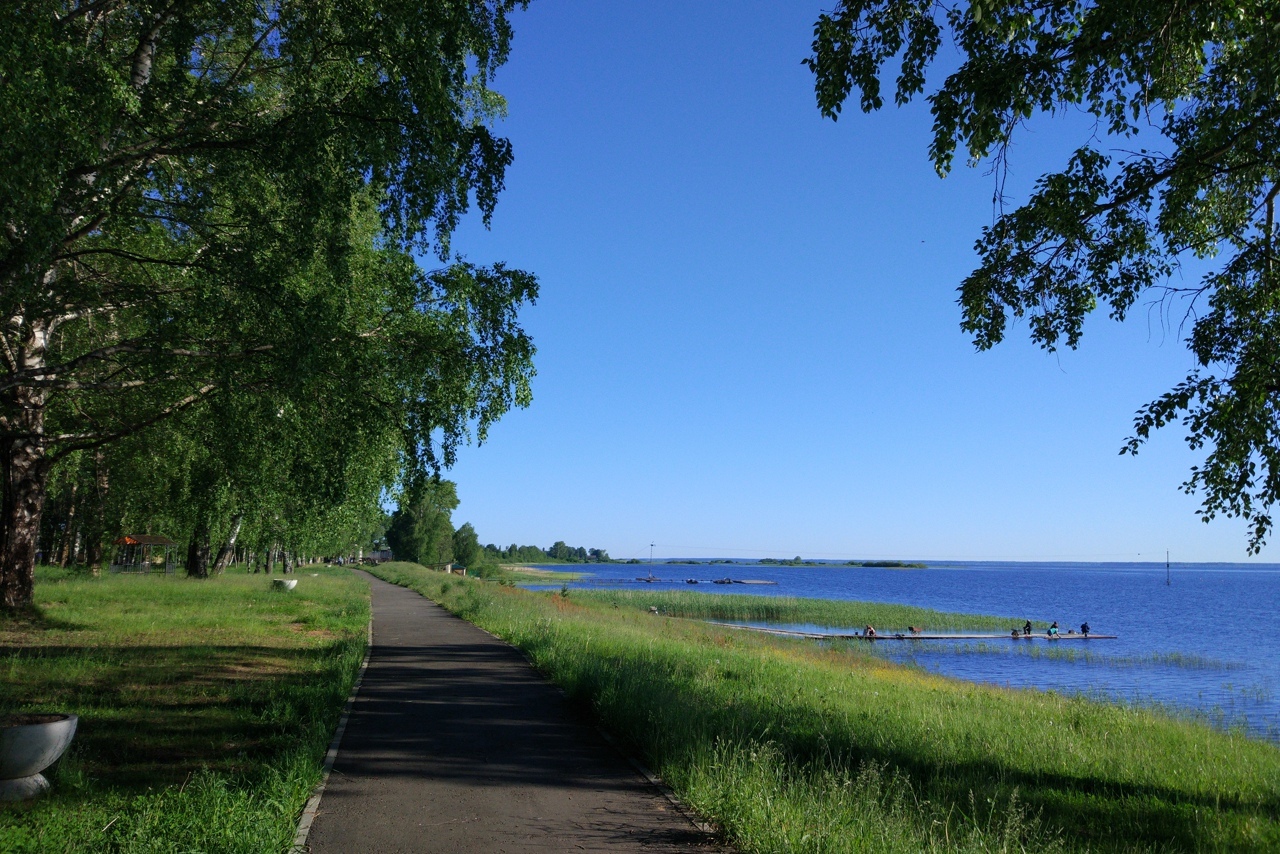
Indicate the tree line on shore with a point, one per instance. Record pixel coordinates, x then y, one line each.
421 531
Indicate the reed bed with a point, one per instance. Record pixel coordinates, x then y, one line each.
1076 655
205 706
789 745
786 609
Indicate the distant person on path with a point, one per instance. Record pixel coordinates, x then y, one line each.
870 632
1026 628
1084 629
1053 629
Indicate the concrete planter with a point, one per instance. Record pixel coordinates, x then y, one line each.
28 745
284 583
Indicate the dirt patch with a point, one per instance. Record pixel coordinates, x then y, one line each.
321 634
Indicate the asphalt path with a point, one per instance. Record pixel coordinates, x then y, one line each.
455 744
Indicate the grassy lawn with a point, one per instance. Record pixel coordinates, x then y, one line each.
205 706
793 746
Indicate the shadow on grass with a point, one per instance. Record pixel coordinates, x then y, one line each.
153 715
33 618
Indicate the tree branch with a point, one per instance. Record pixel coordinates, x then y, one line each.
72 442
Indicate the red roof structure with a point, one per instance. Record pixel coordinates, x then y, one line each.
134 553
144 540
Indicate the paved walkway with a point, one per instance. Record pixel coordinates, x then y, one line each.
455 744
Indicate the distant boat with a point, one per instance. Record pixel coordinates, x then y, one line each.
691 581
722 581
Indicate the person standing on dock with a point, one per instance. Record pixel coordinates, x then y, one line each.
1026 628
1084 629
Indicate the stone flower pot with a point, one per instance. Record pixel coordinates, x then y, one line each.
284 583
28 745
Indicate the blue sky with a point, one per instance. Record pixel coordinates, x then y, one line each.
748 341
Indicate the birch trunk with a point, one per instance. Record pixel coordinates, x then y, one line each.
68 533
24 469
228 549
99 526
25 473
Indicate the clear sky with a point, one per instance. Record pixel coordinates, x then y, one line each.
748 340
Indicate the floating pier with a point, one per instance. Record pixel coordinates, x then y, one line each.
899 636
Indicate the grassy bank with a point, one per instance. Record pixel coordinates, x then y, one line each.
791 746
205 706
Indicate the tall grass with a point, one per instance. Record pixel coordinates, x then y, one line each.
792 746
205 706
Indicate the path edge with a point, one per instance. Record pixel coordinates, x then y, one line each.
690 815
312 809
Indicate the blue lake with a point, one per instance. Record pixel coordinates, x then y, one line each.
1205 645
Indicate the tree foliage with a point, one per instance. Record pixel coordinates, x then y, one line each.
421 529
212 199
1184 163
466 545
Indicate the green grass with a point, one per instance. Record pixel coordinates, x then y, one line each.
794 746
205 706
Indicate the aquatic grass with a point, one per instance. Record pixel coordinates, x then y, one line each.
520 574
205 706
789 610
769 737
1057 652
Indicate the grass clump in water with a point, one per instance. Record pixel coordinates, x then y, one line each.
793 746
791 610
205 706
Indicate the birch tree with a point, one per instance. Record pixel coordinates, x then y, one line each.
178 195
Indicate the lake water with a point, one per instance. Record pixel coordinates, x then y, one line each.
1205 645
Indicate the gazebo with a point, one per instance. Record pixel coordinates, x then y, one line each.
135 552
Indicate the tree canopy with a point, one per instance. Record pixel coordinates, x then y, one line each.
1184 163
421 529
212 201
